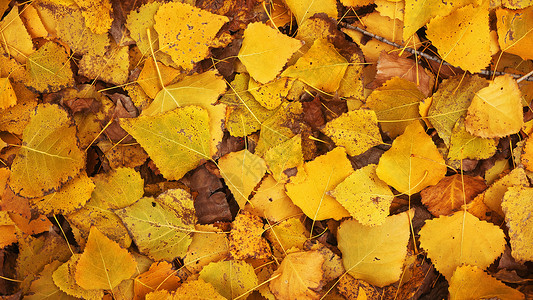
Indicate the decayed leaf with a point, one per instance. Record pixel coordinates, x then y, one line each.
298 276
271 202
49 69
471 282
183 32
49 155
332 266
285 155
321 175
15 38
412 163
396 105
451 193
160 276
176 141
464 145
356 130
375 254
245 239
118 189
230 278
8 98
171 215
303 10
517 206
242 171
265 51
496 110
208 245
461 239
103 263
63 278
451 101
72 196
97 14
138 22
365 196
462 37
321 67
111 67
43 287
514 31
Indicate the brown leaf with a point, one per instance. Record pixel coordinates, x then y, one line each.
449 194
210 201
83 105
313 113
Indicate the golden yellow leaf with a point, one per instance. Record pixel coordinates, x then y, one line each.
391 9
396 105
389 28
43 286
64 279
265 51
451 241
365 196
176 141
230 278
303 10
242 171
160 276
332 266
299 276
112 67
184 34
33 22
208 245
270 94
149 78
464 145
321 67
192 289
514 31
49 156
118 189
375 254
138 22
372 49
321 175
245 238
72 196
103 263
15 38
517 207
284 156
276 129
7 230
462 37
496 110
287 234
356 130
271 202
49 69
97 14
412 163
8 98
471 282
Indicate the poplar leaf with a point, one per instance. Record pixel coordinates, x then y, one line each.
514 31
303 10
517 206
230 278
49 69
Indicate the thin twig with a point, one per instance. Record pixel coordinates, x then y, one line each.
527 77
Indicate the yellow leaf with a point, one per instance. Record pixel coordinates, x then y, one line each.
8 98
171 215
265 51
33 22
396 105
299 276
514 31
451 101
138 22
375 254
192 289
160 276
321 175
391 9
184 34
208 245
176 141
242 171
72 196
118 189
286 155
451 241
389 28
15 38
112 67
49 156
496 110
287 234
270 94
321 67
245 239
462 38
49 69
356 130
303 10
44 286
464 145
149 78
356 3
470 282
97 14
279 126
517 206
230 278
365 196
7 230
103 263
271 202
412 163
64 279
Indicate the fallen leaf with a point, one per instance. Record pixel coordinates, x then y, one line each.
271 202
64 279
303 10
15 37
245 238
270 94
153 78
43 286
97 14
287 234
7 230
193 289
284 156
160 276
49 69
514 31
111 67
464 145
8 98
208 245
140 23
230 278
451 241
118 189
517 207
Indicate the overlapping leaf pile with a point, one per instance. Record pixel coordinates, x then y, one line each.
268 149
